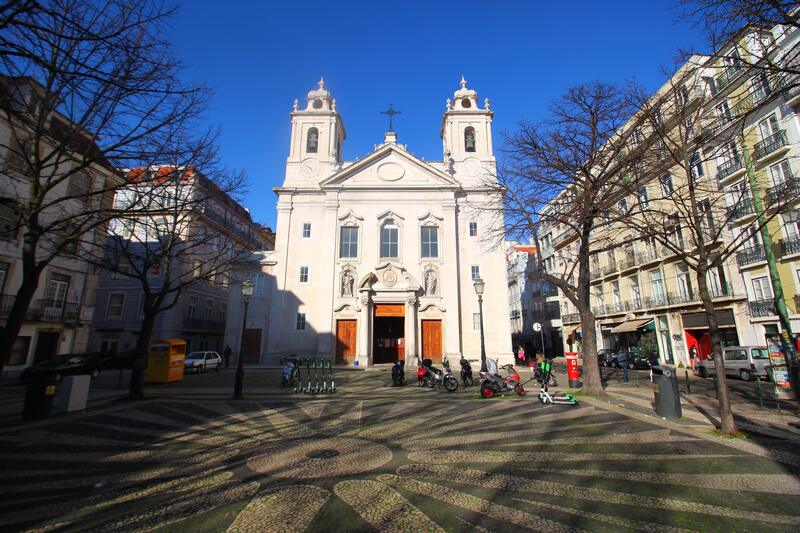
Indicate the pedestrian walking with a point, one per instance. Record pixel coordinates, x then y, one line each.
622 360
226 355
521 355
693 356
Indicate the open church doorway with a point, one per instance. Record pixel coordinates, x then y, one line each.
388 333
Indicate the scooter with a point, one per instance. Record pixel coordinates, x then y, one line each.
544 395
308 388
493 383
536 370
398 373
332 388
466 373
439 378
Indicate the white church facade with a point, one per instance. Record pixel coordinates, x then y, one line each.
375 258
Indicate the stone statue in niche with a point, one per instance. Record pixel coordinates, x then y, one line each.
347 284
430 283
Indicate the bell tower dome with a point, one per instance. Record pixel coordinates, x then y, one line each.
317 139
467 129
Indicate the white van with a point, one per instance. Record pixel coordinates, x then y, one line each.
747 362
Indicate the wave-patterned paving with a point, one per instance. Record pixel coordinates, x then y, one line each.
383 465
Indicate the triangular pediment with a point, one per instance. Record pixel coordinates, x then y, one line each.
390 167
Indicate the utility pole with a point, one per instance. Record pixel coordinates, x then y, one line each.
787 343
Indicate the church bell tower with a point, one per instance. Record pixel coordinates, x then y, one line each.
467 132
317 139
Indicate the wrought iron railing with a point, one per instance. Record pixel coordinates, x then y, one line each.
770 144
743 208
749 256
788 190
761 308
572 318
610 268
648 257
628 262
203 324
729 167
789 246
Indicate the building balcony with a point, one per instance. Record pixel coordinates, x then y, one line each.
748 256
572 318
627 263
729 74
647 257
789 189
761 308
563 238
610 269
657 300
797 303
681 298
743 208
789 246
722 291
770 145
43 310
729 168
200 324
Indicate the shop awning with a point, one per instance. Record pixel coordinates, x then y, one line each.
631 325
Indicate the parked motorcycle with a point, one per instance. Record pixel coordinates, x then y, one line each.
435 377
398 374
466 373
493 383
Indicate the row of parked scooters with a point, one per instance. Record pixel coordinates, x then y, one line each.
292 375
492 382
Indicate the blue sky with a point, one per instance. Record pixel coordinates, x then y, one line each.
260 56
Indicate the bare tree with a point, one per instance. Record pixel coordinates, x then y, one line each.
559 178
173 233
86 88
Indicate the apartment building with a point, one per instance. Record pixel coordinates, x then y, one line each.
59 317
743 139
220 225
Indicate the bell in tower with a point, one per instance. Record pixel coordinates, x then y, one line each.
466 128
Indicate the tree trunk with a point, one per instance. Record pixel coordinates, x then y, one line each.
727 425
592 382
140 354
22 301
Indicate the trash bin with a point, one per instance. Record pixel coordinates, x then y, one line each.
39 396
665 387
73 393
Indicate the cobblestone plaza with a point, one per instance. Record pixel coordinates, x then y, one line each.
385 460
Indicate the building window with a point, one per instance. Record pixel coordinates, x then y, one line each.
306 230
780 172
476 321
79 185
473 229
223 311
622 205
768 127
723 112
475 271
644 201
4 268
57 290
209 309
303 274
657 286
762 289
469 139
19 351
389 239
9 221
109 346
192 306
116 302
348 241
197 268
636 293
696 166
666 185
259 284
313 141
684 282
430 241
300 325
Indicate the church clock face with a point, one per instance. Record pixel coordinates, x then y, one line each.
317 104
309 167
465 103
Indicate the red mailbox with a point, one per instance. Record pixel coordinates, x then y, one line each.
573 375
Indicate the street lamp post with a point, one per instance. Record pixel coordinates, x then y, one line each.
479 286
247 291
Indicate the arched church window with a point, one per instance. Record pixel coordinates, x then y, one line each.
390 234
469 139
313 141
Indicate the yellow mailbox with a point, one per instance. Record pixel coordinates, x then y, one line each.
165 361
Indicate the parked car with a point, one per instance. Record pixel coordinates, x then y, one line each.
122 359
747 362
635 360
202 361
67 365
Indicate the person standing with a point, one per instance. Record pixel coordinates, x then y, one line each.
521 354
226 355
693 356
622 361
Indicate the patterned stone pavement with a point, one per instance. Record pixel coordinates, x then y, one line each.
413 461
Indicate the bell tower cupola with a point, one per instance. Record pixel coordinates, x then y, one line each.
317 138
466 127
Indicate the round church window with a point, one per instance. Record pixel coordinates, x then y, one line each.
317 104
465 103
